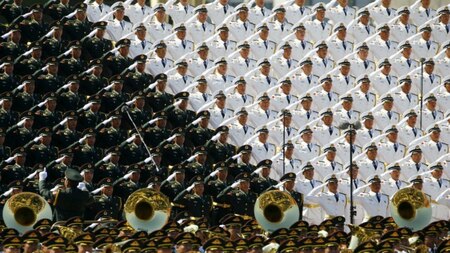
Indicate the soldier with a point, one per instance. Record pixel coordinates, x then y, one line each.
116 64
159 63
93 82
96 10
133 149
262 180
276 133
153 136
196 204
89 116
361 64
342 13
434 148
12 10
374 202
108 166
340 47
305 148
152 167
200 134
393 183
215 183
430 79
85 150
71 100
49 116
383 47
112 135
383 12
414 165
179 80
21 133
8 80
53 46
346 113
242 163
424 46
242 200
362 29
319 23
222 46
126 185
324 96
136 79
370 165
408 131
220 149
261 47
220 79
138 113
239 97
198 166
179 115
343 81
74 64
50 81
159 99
179 46
386 116
422 13
333 202
280 27
158 28
138 11
261 148
96 46
283 61
327 131
16 171
347 145
405 100
181 11
202 63
34 27
118 27
66 131
219 11
8 117
79 27
200 29
87 172
174 184
259 12
433 186
115 98
239 129
262 81
56 168
262 114
403 29
322 61
363 99
175 152
430 114
391 150
220 113
304 80
442 29
57 9
328 165
289 180
242 28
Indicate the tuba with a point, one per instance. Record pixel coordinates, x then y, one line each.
276 209
411 208
23 210
147 210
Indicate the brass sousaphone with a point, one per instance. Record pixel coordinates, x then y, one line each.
411 208
23 210
147 210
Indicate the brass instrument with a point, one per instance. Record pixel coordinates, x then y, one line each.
276 209
359 235
411 208
23 210
147 210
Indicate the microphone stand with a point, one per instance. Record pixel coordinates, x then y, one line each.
284 142
421 90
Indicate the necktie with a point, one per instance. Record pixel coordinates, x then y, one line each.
292 163
428 45
447 28
427 11
288 98
246 62
431 78
225 45
397 183
366 64
440 182
163 26
289 63
375 164
348 115
434 114
388 78
183 43
205 64
388 45
185 9
223 113
345 11
204 97
163 62
356 183
267 113
368 29
245 129
245 26
303 44
414 131
265 43
378 197
407 28
225 10
266 147
309 147
282 27
417 167
388 11
367 96
336 196
268 80
308 114
121 24
288 130
323 25
346 79
370 133
309 79
184 79
439 146
301 10
409 62
395 147
204 27
312 184
142 9
324 61
244 98
143 44
333 165
101 8
343 44
330 130
409 97
262 11
224 78
329 96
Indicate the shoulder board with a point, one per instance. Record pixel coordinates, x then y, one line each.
272 42
250 23
402 145
233 41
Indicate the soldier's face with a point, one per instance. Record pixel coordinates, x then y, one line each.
429 68
46 140
203 54
308 174
243 15
141 34
259 3
280 15
30 247
90 140
52 69
363 54
161 123
244 185
201 158
202 16
425 3
12 250
36 53
199 189
300 34
436 173
181 34
224 35
264 104
124 51
265 70
287 52
184 104
222 69
244 52
350 138
16 36
426 35
431 104
100 33
343 3
307 137
347 105
320 14
223 137
201 87
392 136
332 186
179 139
406 87
395 174
364 19
88 175
179 177
28 123
341 34
8 69
116 122
416 157
447 87
386 3
286 121
331 155
161 86
243 119
286 88
384 35
37 16
161 52
51 105
57 33
80 15
327 86
345 70
289 185
322 52
435 135
182 70
264 34
365 86
119 14
388 105
160 15
263 136
265 172
21 159
241 88
372 154
289 152
307 69
67 159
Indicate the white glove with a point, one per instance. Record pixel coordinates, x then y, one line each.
20 123
41 104
132 66
129 103
190 159
127 176
97 190
107 121
131 139
32 175
82 140
153 121
20 87
10 159
36 139
215 137
257 170
82 186
190 188
214 173
64 121
108 87
7 193
65 86
171 138
152 85
26 15
106 158
195 122
59 159
42 175
172 176
147 160
56 188
86 106
235 184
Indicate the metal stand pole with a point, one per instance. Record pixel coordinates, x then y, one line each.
421 91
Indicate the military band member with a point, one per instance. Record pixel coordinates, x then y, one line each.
126 185
193 199
374 202
239 196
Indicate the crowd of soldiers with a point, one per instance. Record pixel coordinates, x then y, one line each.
214 104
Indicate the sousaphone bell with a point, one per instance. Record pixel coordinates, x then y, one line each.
411 208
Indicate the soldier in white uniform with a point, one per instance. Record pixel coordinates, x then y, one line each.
200 29
312 212
430 115
179 46
361 30
322 62
383 81
262 114
441 30
430 79
333 202
403 29
290 163
434 185
346 113
326 132
363 98
202 63
328 165
159 63
321 26
96 10
222 46
242 28
383 12
138 11
140 44
434 148
367 132
240 131
304 114
219 11
297 11
423 13
443 95
340 47
305 149
374 202
180 12
325 97
342 13
390 150
370 165
284 63
285 125
178 81
220 112
284 97
404 99
280 27
424 46
239 98
262 81
259 12
201 96
158 28
262 47
361 65
393 183
343 147
219 80
242 64
404 64
382 46
409 131
300 46
118 28
414 165
261 148
303 80
343 81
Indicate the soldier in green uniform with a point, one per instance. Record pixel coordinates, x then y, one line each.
85 150
13 46
34 27
109 165
288 186
152 166
132 149
39 150
175 152
215 183
28 66
93 82
242 164
12 10
22 132
54 45
8 117
106 200
24 97
111 100
174 184
49 116
200 134
154 135
90 116
193 200
50 81
71 99
198 166
77 28
57 9
73 65
138 111
16 171
219 149
126 185
180 116
159 99
66 131
8 80
262 182
116 64
137 79
57 168
31 182
96 46
112 135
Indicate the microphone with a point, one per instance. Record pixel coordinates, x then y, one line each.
346 124
125 108
422 60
